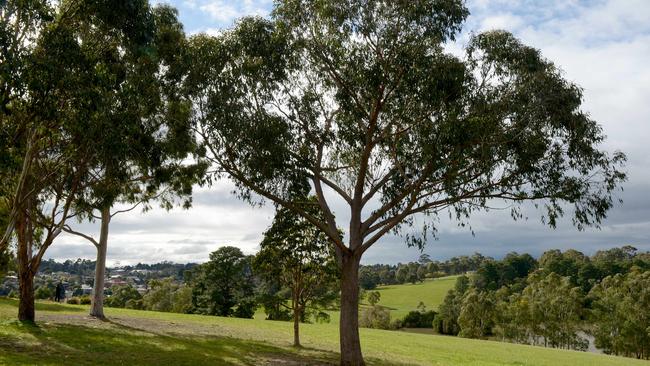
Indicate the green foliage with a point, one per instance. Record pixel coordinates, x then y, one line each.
298 258
477 315
44 292
368 279
374 297
124 296
224 286
419 319
376 316
7 262
512 269
446 321
621 314
548 312
167 295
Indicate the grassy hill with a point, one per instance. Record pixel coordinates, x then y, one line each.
65 335
403 298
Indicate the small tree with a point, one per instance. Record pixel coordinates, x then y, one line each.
223 286
124 296
299 256
477 315
446 321
167 295
374 297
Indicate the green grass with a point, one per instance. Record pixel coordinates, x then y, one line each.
403 298
64 335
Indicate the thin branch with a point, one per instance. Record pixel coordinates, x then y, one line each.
69 230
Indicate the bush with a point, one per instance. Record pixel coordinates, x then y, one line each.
122 295
135 304
377 317
84 300
43 292
13 294
417 319
73 301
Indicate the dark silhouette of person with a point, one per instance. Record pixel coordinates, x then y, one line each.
59 294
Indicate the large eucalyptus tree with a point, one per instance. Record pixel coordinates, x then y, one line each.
64 76
362 99
145 136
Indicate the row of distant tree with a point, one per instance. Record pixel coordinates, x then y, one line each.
371 276
556 301
87 267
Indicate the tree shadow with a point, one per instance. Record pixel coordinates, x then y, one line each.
121 344
73 339
44 306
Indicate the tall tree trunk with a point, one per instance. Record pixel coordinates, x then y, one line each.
26 310
24 236
296 324
349 324
97 301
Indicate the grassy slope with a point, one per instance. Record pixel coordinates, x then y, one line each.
403 298
65 335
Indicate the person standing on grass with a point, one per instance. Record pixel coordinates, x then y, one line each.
59 293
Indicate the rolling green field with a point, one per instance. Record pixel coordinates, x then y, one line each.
401 299
65 335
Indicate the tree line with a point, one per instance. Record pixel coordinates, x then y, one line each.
556 301
107 107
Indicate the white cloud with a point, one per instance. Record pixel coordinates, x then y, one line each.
227 11
510 22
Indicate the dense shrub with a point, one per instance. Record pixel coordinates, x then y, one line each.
377 317
418 319
121 295
44 292
167 295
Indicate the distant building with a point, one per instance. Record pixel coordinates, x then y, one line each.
86 290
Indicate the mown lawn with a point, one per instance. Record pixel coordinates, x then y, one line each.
64 335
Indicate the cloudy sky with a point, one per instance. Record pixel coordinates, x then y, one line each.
602 45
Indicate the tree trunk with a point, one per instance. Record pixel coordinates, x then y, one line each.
24 236
26 310
296 325
97 301
349 325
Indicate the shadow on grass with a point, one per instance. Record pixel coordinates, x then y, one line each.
130 342
43 306
73 344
